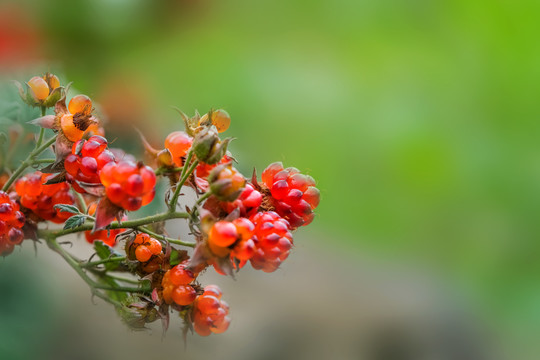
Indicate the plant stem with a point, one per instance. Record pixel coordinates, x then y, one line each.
183 177
27 162
53 245
82 203
42 130
92 264
165 238
131 224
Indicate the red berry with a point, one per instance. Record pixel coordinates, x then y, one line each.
293 194
223 234
11 223
178 143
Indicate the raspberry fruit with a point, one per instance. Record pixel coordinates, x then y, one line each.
176 286
178 143
233 237
294 195
86 160
128 185
248 202
273 240
210 312
11 222
41 198
145 247
107 236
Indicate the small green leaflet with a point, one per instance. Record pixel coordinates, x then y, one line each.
74 221
67 208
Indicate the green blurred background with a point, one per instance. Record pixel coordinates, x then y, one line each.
419 119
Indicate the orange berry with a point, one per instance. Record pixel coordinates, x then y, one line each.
69 129
220 119
143 253
178 143
80 104
39 87
184 295
223 234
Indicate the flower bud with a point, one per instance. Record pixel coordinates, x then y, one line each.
208 147
226 183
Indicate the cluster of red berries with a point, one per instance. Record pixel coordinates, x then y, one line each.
107 236
232 237
294 194
210 313
176 286
11 222
41 198
128 185
86 160
247 203
273 240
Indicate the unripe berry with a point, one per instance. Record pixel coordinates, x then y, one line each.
178 143
219 118
39 87
80 104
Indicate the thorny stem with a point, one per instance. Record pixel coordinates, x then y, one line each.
132 224
28 161
91 264
165 238
186 172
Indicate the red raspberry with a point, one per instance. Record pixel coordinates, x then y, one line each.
86 160
107 236
41 198
176 286
11 222
294 194
128 185
178 143
210 312
273 240
232 237
248 202
146 247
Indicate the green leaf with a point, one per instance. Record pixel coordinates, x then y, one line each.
67 208
104 251
74 221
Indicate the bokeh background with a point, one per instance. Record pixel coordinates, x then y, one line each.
419 119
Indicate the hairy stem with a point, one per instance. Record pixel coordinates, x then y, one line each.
27 162
186 172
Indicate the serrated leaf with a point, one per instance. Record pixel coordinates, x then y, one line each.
74 221
67 208
104 251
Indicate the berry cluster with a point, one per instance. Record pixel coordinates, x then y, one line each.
128 185
294 195
233 221
11 223
273 240
176 286
145 247
86 160
41 198
247 203
210 313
